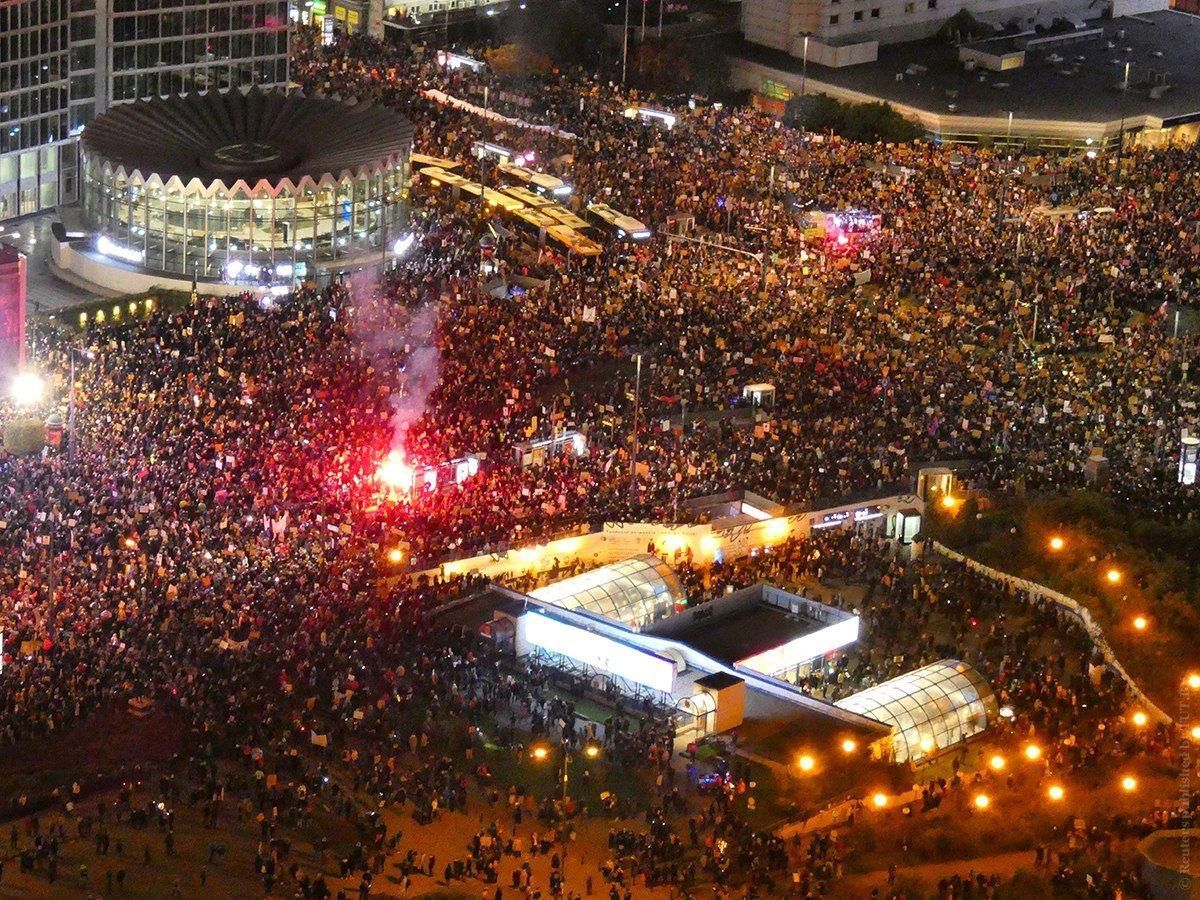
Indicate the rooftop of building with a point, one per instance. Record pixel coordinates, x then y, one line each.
1074 82
247 135
746 632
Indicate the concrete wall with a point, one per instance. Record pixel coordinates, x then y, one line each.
621 540
88 265
995 62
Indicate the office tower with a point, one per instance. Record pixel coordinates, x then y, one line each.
62 62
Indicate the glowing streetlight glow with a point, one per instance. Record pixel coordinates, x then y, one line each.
880 800
28 388
1141 623
949 502
1033 752
1196 732
395 556
540 753
1113 576
1139 719
1193 681
997 762
806 763
1055 792
1129 784
849 745
1057 543
982 801
926 744
591 751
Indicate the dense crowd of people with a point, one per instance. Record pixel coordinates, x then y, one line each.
215 539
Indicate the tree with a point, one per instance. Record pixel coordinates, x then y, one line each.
566 31
516 61
864 122
24 437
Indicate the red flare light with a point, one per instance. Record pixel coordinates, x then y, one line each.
395 473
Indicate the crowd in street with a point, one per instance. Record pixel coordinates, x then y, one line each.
215 540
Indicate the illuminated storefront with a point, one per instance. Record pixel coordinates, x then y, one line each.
256 188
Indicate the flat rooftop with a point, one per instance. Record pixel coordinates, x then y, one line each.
746 632
1083 87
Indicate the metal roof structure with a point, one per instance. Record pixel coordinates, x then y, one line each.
635 591
221 138
930 709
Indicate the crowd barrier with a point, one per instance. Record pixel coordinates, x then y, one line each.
1068 605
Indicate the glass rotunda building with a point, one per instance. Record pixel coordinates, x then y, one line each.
930 710
252 187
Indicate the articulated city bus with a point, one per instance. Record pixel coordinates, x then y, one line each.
616 225
533 180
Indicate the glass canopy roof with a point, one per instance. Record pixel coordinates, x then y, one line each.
635 591
930 709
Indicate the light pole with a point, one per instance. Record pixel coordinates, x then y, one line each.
1124 108
661 4
625 44
642 40
1004 175
637 408
804 65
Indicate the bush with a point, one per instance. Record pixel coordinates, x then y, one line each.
863 122
24 437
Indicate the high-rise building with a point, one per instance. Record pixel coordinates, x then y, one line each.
62 62
34 86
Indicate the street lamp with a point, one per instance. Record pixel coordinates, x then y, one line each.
28 388
1057 543
804 65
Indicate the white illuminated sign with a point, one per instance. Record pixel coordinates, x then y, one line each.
116 251
600 653
803 649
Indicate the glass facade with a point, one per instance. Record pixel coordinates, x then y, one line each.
34 92
930 710
165 47
211 230
635 592
62 62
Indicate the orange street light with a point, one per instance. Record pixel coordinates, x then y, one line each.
880 800
1141 623
997 762
806 763
1033 752
591 751
1140 719
395 556
1057 543
849 745
949 502
1195 732
1055 792
540 753
1193 681
1129 784
1113 576
982 801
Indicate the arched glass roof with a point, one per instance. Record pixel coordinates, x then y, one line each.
635 591
930 709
